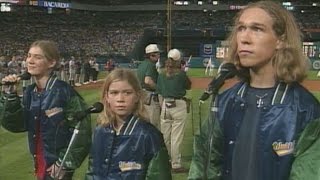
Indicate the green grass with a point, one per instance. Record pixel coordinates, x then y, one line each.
16 162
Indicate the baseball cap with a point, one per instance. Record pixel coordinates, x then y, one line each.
152 48
174 54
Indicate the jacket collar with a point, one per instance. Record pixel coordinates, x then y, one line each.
278 96
50 82
129 125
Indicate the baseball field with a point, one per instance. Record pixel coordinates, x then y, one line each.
16 162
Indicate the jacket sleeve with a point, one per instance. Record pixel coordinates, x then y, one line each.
159 167
11 113
307 153
89 174
203 157
82 142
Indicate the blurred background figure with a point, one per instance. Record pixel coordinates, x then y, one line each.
72 70
172 85
148 75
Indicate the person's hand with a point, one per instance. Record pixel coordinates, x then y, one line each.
10 78
53 171
10 88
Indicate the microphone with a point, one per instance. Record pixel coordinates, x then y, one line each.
24 76
225 71
95 108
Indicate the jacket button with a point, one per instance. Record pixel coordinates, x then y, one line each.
34 155
34 136
112 131
106 160
231 142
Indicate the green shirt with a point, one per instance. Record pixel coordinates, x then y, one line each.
174 86
147 68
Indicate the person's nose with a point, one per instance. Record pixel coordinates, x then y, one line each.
245 36
29 60
120 97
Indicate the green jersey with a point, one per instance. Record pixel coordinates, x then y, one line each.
147 68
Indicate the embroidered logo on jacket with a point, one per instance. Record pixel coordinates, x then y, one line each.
129 165
53 111
283 148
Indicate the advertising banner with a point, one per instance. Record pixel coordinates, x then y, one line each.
50 4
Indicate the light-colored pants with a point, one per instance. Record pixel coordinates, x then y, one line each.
173 121
72 74
153 111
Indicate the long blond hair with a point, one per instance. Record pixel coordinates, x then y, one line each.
289 61
119 74
172 67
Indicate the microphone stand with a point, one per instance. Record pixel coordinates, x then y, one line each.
73 137
211 122
213 90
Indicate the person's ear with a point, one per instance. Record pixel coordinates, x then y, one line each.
137 98
52 63
106 99
280 43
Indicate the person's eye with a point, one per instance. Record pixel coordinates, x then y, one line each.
258 29
113 92
241 28
128 92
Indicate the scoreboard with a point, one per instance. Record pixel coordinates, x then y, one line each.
312 51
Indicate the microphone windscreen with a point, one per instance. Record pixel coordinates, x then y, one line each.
25 76
97 107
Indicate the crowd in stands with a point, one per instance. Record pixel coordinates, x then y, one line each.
229 2
100 33
119 2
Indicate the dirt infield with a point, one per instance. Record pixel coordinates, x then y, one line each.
202 83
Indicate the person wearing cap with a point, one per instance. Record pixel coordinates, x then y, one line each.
172 85
147 74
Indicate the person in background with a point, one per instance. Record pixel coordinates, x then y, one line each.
47 112
148 75
78 68
13 65
267 125
92 62
110 65
72 71
125 145
95 71
172 85
63 69
87 71
3 67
